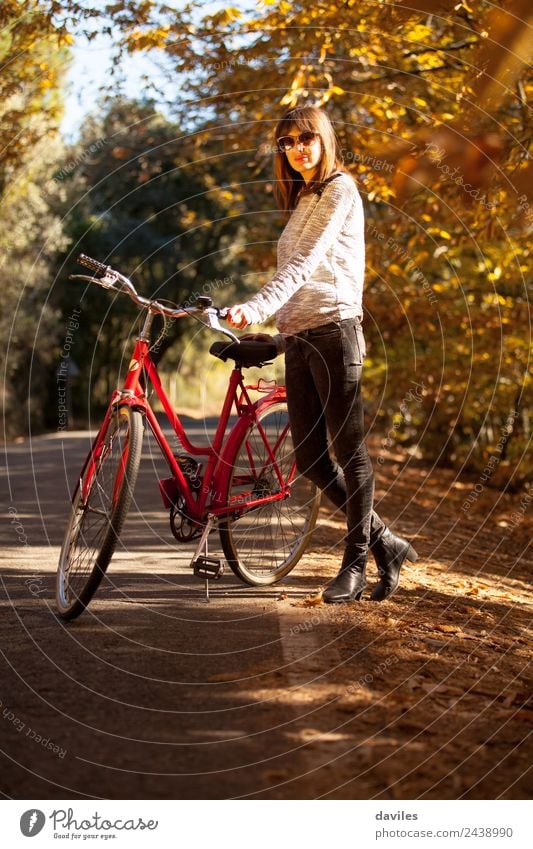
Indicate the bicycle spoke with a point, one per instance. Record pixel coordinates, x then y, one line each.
264 543
95 524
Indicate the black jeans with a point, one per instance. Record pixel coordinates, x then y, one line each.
323 368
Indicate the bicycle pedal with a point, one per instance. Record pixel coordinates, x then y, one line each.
208 567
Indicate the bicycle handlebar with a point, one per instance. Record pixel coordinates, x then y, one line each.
112 279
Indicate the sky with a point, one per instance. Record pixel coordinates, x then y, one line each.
91 70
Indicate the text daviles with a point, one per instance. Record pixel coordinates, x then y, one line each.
65 819
399 815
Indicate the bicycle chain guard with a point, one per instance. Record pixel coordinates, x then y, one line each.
183 529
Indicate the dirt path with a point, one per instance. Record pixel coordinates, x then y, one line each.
267 693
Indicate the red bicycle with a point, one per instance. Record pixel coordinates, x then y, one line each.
244 483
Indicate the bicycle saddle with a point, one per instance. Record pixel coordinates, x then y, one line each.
246 354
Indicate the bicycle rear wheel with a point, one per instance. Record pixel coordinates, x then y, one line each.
99 508
264 543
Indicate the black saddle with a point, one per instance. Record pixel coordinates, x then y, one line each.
246 353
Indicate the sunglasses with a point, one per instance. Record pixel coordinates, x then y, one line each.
286 143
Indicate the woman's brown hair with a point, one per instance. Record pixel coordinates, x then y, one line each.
289 184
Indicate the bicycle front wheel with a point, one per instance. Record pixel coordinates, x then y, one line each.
99 508
263 543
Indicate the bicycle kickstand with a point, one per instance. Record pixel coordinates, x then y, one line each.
204 566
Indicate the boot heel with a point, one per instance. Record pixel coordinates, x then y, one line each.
358 596
411 555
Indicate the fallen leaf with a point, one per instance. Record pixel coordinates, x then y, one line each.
415 682
433 688
438 643
277 775
464 635
313 600
522 700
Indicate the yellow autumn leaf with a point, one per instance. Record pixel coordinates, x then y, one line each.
232 14
313 600
428 60
419 33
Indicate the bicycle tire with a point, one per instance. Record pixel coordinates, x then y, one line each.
264 544
108 478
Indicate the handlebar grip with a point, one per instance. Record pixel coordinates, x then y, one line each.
93 264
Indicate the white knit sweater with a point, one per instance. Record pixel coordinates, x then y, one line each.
321 262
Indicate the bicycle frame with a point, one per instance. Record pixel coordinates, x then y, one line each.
248 466
219 454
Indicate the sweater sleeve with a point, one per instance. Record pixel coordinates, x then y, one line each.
324 225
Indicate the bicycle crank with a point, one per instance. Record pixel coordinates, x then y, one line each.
183 529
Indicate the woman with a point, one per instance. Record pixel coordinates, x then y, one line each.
316 295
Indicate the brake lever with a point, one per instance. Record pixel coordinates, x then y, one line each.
105 282
214 323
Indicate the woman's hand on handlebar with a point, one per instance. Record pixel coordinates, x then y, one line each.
238 316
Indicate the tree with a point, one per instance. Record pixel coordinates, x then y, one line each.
30 232
434 120
431 103
140 200
32 71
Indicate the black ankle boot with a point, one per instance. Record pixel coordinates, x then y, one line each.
390 552
349 583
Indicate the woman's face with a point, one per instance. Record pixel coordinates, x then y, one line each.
304 158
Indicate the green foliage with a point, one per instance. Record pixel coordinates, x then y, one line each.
30 231
430 103
139 200
33 63
443 167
